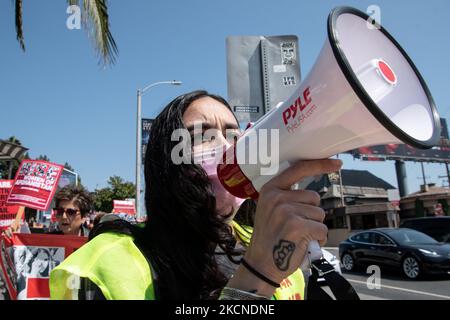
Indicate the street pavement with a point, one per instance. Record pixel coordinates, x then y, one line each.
394 286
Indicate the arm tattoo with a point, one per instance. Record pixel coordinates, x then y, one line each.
282 254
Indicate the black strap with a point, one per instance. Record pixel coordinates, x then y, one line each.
339 286
259 275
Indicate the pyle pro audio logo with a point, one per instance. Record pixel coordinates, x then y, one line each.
299 111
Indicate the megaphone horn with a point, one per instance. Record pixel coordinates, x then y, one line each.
363 90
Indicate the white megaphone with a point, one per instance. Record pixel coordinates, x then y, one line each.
363 90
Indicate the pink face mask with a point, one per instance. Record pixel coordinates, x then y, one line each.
226 203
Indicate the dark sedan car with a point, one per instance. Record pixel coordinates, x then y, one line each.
414 252
436 227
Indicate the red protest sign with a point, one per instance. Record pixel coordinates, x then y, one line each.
26 261
124 206
7 212
35 184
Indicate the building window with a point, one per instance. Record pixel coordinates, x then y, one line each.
357 222
341 222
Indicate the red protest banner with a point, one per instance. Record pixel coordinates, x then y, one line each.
26 261
124 206
35 184
7 212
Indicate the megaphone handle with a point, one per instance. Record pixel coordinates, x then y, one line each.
314 251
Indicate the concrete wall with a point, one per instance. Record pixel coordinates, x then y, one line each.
336 236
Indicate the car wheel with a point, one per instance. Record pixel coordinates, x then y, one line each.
348 262
411 267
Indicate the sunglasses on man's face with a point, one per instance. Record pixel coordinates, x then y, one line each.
69 211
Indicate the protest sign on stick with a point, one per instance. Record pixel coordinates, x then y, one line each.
19 217
124 206
35 184
26 261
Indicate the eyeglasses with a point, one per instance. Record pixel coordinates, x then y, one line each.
69 211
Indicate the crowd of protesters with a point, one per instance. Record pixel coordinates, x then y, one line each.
73 214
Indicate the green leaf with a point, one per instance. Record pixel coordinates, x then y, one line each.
95 19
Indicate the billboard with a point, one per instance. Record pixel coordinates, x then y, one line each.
405 152
67 178
262 71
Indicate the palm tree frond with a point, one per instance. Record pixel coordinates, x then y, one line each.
95 18
19 26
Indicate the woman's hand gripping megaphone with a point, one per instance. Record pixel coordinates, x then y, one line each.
288 223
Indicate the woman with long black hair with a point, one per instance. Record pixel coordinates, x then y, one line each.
190 247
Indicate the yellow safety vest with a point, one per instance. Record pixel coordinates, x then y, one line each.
116 265
112 262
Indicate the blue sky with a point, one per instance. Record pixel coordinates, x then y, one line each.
58 101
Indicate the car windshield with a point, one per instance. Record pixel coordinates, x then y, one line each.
408 237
